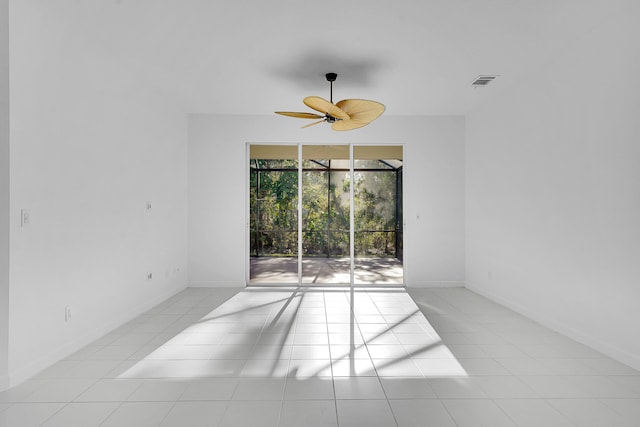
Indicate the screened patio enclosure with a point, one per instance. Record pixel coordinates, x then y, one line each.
321 214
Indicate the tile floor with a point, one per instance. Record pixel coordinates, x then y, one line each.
329 357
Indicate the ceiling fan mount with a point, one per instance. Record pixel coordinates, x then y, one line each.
344 115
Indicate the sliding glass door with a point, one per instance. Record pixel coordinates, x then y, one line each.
347 228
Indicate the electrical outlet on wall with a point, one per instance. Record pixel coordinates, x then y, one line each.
25 217
149 276
67 314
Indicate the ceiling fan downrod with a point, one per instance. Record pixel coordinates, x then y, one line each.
331 77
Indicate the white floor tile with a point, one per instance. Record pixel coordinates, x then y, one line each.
111 390
90 369
113 352
28 414
370 413
90 414
504 387
308 368
568 366
311 339
456 388
346 351
482 367
533 413
441 368
251 414
524 366
397 368
231 352
138 414
632 381
555 386
270 352
477 413
599 386
309 389
265 368
407 388
260 389
20 392
210 389
606 366
310 352
421 412
59 390
629 409
311 328
308 413
195 414
347 367
58 370
589 413
501 351
387 351
159 390
358 388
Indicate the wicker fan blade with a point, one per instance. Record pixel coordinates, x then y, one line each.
347 124
313 124
361 110
324 106
300 115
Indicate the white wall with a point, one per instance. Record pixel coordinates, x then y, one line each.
433 180
91 144
553 199
4 192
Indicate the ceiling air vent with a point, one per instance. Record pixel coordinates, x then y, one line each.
482 81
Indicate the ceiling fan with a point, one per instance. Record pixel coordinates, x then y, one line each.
344 115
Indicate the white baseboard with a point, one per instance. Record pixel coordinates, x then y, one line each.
436 285
23 373
215 284
579 336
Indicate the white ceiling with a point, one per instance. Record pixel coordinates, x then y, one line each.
418 57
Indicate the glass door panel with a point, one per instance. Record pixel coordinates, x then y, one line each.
325 215
377 201
273 224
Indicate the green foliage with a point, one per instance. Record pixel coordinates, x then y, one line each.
375 213
325 212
